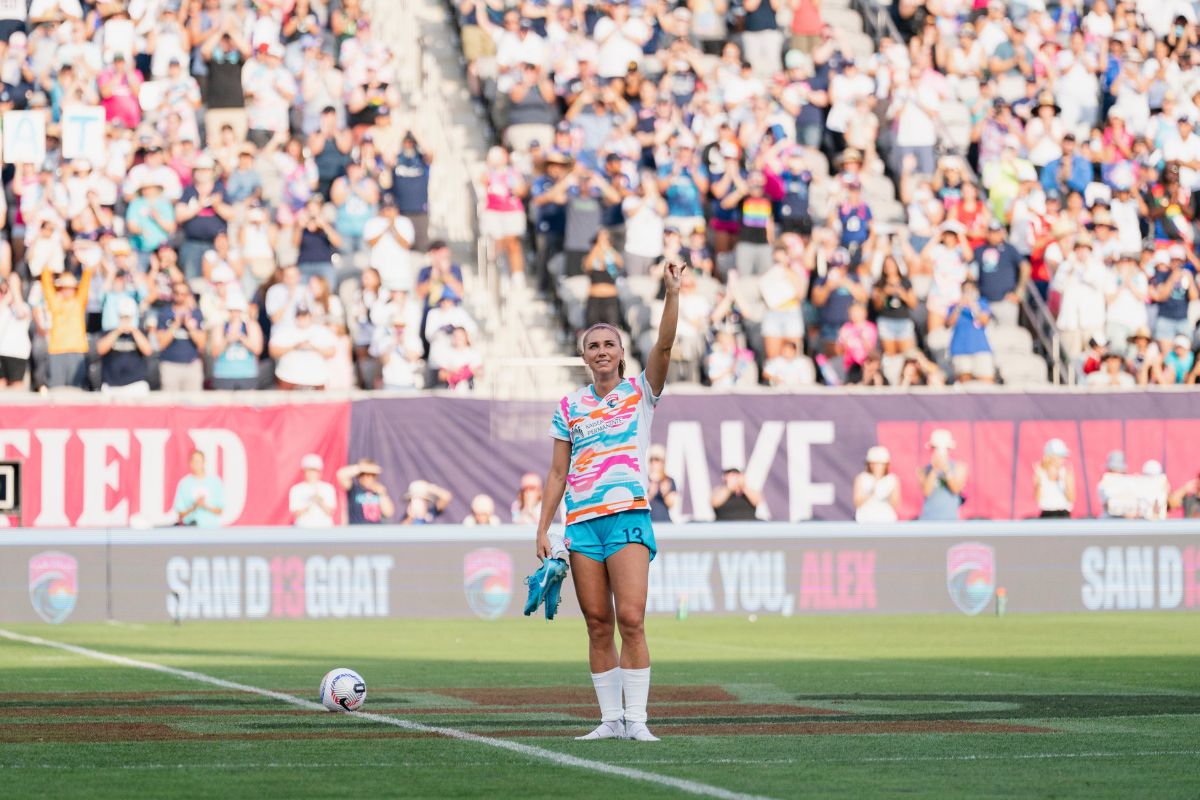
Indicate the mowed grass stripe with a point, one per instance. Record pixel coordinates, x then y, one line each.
539 753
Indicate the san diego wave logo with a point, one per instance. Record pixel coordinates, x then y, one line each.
487 581
53 585
971 576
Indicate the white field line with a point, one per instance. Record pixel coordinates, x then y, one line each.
648 762
540 753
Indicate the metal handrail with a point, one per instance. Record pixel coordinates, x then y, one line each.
1042 323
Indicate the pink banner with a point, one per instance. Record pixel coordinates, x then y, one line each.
111 466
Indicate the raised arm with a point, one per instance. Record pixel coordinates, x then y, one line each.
659 360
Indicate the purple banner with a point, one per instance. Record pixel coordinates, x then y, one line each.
802 450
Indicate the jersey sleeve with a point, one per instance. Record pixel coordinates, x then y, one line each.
558 423
644 385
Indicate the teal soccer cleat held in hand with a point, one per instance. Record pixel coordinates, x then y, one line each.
544 586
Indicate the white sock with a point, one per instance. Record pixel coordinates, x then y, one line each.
608 693
636 683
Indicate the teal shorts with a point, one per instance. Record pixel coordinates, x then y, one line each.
601 537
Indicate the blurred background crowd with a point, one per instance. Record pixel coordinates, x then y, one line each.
906 195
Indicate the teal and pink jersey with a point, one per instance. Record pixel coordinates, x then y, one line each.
609 438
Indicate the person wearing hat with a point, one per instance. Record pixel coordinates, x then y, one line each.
312 502
153 168
1143 359
302 351
1081 279
123 352
876 489
201 213
397 346
149 220
236 346
1093 359
66 300
1117 492
526 509
1002 273
1178 362
483 513
942 479
1054 481
1172 289
1127 293
389 238
426 502
367 499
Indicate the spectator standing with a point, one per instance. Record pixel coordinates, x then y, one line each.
202 215
150 221
390 237
942 479
876 489
1178 362
331 148
355 199
408 182
970 350
894 300
789 369
316 240
733 500
15 343
301 352
645 215
756 233
1187 498
269 90
504 214
856 340
66 299
527 508
762 40
1054 481
367 500
603 266
1117 492
660 489
1172 287
483 513
397 347
425 503
199 497
833 294
1081 280
1001 273
1111 373
783 288
181 340
312 502
224 53
123 353
1126 294
236 347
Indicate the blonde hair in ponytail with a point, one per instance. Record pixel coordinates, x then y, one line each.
604 325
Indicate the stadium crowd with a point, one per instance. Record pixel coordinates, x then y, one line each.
260 214
259 218
1033 150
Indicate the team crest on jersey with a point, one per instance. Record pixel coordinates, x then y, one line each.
487 581
53 585
971 576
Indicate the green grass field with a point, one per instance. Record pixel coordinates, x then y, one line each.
923 706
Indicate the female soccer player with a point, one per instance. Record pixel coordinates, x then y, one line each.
601 436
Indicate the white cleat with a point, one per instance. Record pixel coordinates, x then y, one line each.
605 730
639 732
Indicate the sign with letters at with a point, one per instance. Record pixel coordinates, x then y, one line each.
83 133
24 137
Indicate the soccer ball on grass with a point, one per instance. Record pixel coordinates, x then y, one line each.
343 689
